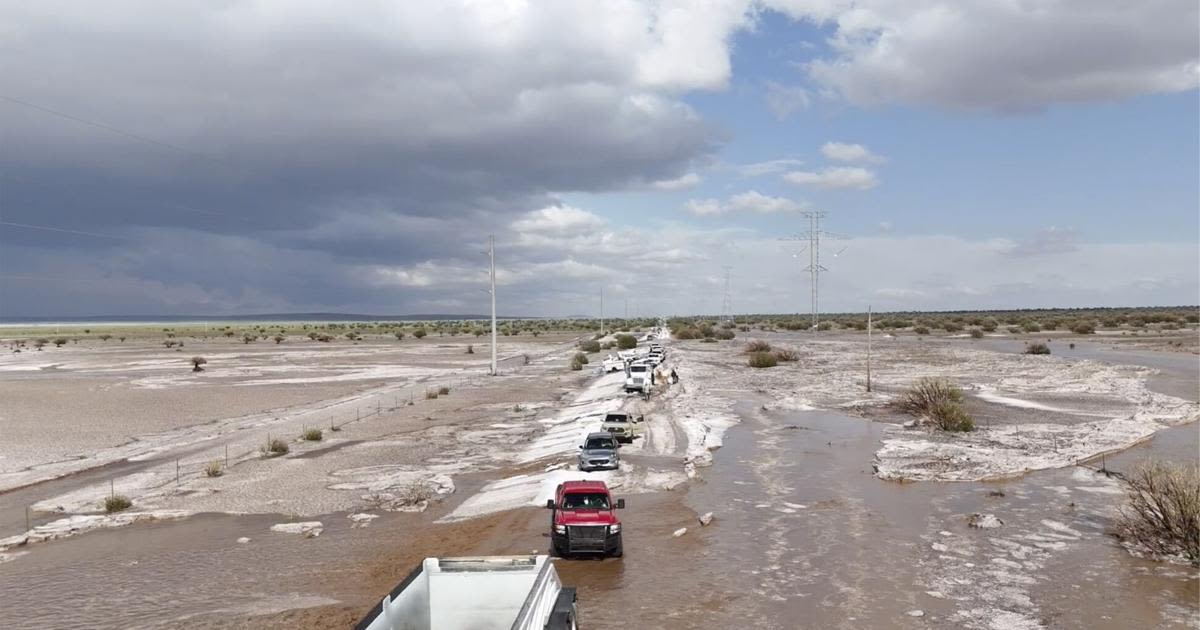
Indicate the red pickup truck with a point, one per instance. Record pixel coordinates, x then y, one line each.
583 519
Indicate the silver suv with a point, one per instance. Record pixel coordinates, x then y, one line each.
599 451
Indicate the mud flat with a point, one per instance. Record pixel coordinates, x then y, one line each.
810 524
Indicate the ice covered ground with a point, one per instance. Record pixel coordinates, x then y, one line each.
1112 407
686 421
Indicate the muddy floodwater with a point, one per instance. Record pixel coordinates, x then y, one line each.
804 535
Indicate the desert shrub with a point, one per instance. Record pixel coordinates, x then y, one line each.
197 362
444 390
1162 512
761 360
60 342
274 446
1013 329
938 400
431 394
687 333
1191 319
590 345
1037 347
923 395
709 340
725 334
248 338
757 345
989 325
950 416
39 343
1031 327
825 326
312 435
1083 328
952 327
214 469
279 339
627 342
921 330
325 338
419 333
170 343
105 337
116 503
578 361
786 355
976 333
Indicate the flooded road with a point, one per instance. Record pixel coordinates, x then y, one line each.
813 539
804 536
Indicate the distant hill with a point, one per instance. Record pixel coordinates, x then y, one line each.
258 317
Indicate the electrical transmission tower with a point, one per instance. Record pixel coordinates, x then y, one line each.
727 303
814 268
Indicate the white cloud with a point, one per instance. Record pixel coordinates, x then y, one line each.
689 42
843 152
838 177
785 100
679 183
1005 56
769 167
561 220
749 202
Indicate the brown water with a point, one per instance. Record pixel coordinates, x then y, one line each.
804 537
859 553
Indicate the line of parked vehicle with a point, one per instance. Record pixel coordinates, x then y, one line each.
524 592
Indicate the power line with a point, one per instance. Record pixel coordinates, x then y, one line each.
47 228
118 131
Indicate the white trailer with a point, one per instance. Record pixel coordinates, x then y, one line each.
477 593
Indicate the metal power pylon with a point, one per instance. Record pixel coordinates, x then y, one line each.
727 303
814 268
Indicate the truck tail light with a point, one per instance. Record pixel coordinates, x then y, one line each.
560 529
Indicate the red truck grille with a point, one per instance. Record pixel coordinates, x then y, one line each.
586 537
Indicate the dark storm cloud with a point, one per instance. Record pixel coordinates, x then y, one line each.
289 144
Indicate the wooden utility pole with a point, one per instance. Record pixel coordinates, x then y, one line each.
492 258
869 347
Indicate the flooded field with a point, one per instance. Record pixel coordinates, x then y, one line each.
791 461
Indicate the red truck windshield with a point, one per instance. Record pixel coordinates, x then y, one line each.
585 501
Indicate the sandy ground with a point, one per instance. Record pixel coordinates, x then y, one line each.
463 473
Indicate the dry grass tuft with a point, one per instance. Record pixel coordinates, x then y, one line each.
214 469
762 360
756 345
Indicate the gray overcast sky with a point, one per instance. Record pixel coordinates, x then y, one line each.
353 157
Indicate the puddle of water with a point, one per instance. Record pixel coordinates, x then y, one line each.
1180 372
808 535
156 574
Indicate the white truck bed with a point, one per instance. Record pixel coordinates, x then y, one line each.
477 593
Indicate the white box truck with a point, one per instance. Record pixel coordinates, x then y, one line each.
477 593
